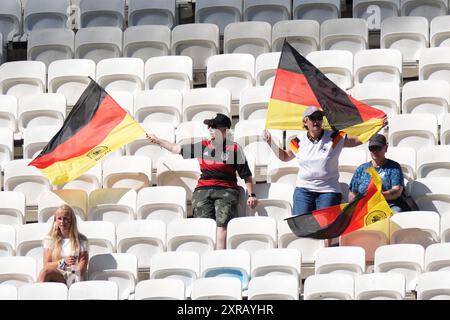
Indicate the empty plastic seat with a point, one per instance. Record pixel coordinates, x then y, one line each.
445 227
176 171
102 13
159 12
253 103
445 130
439 31
434 286
378 65
121 74
166 203
226 263
349 160
303 35
274 287
282 171
44 109
7 240
45 14
180 265
375 11
47 46
17 271
8 291
406 157
431 194
118 267
145 42
407 259
10 19
413 130
29 240
384 96
162 105
380 286
168 72
8 112
308 247
221 12
349 34
249 135
43 291
191 132
428 9
6 146
141 238
141 147
274 200
270 11
434 64
160 289
407 34
329 287
337 65
416 227
252 37
88 181
204 103
433 162
198 235
12 208
115 205
26 179
94 290
199 41
20 78
266 66
101 236
134 172
279 261
348 260
98 43
426 96
367 239
437 257
234 72
70 77
316 10
218 288
36 138
251 233
49 201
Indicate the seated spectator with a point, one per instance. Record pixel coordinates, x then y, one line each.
390 172
65 249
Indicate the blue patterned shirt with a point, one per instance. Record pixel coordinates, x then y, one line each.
390 172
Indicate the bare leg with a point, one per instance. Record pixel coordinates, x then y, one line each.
50 275
221 234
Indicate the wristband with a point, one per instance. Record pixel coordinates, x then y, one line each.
252 195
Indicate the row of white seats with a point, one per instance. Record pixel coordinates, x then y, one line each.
377 286
145 238
405 260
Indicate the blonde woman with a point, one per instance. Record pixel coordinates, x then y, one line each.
65 249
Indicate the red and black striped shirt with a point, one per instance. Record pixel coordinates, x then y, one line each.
218 167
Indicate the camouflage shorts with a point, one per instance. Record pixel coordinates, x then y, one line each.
218 204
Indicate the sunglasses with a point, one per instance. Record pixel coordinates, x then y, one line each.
316 118
375 148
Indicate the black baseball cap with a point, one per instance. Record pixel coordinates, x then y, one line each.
377 140
220 121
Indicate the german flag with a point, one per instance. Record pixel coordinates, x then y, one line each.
299 84
96 126
338 220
